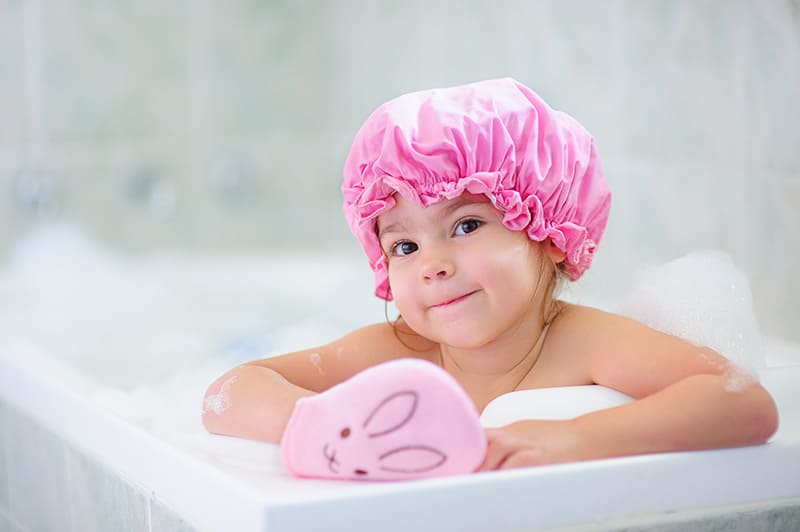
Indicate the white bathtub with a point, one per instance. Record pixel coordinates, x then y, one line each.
102 368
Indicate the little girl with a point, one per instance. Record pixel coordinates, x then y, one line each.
472 203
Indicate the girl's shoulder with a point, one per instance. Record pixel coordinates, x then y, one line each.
591 332
566 354
389 341
578 339
593 323
610 349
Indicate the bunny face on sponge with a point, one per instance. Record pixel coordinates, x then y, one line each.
400 420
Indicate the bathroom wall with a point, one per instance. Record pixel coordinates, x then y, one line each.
214 127
49 485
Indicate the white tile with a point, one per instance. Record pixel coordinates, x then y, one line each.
775 254
780 515
102 501
3 460
38 490
8 524
12 68
162 519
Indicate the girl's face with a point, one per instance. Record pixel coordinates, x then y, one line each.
458 275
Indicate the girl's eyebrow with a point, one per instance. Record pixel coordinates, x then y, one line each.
446 211
463 202
391 228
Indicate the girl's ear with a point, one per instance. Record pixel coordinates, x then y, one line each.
555 254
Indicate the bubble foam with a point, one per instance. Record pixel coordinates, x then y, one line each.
702 298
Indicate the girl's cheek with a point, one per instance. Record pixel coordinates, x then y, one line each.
399 286
402 296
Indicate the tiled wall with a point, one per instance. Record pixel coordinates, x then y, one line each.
217 126
47 485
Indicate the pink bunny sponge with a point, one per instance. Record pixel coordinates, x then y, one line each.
400 420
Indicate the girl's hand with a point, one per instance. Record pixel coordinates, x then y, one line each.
532 442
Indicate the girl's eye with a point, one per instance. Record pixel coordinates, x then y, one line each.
464 227
404 248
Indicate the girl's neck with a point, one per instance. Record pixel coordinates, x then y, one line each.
499 367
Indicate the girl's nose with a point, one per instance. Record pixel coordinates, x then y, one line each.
438 269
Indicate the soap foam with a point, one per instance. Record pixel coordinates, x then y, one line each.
705 299
220 402
316 360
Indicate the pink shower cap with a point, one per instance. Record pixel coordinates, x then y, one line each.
538 166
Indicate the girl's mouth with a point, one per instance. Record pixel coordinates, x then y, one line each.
450 302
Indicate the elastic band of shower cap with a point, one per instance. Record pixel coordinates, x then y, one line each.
537 165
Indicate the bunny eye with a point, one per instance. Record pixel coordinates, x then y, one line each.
345 432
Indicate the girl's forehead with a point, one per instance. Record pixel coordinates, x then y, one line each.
404 207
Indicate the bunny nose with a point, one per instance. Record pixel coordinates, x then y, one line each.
360 472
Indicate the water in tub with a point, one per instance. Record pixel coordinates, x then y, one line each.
154 331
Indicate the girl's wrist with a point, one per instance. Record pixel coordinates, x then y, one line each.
584 441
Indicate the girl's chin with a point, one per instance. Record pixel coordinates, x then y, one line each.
452 332
459 339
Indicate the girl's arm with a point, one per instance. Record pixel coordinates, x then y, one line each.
688 398
251 401
255 400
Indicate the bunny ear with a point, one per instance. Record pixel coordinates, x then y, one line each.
412 459
391 414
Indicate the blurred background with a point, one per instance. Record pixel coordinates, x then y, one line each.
215 128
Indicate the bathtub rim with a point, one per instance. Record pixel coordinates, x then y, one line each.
63 407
